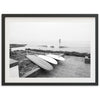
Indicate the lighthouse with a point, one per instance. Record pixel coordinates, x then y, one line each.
59 43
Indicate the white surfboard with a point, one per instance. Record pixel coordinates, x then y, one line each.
40 62
48 59
57 57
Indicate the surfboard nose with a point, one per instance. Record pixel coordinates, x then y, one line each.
48 59
57 57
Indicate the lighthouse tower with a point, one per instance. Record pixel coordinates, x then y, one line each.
59 43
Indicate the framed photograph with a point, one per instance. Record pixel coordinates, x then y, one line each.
49 49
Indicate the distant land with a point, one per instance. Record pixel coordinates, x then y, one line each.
17 45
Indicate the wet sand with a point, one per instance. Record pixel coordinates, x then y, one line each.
71 67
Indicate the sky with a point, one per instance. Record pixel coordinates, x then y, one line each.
44 30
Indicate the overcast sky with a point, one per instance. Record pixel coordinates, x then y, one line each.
27 30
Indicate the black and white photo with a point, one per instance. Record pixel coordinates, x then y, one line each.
50 49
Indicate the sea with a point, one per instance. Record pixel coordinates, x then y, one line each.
82 47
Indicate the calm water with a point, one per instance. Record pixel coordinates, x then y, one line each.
79 47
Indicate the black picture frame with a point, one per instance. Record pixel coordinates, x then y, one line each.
4 16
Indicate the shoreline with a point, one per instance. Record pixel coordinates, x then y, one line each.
73 53
70 53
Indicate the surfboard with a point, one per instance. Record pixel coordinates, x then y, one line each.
57 57
48 59
40 62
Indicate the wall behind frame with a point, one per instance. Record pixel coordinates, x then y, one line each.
49 92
